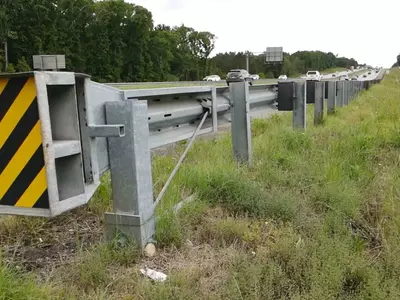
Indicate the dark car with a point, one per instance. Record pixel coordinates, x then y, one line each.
237 75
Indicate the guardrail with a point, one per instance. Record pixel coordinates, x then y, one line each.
84 128
183 83
174 113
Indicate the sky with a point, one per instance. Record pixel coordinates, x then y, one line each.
366 30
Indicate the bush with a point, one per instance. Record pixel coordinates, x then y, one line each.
269 75
22 65
10 68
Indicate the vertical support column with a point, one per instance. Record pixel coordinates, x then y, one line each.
214 109
319 103
345 93
326 89
351 91
310 91
300 106
339 93
331 97
131 179
241 130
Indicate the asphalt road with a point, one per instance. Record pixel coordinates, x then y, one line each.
152 85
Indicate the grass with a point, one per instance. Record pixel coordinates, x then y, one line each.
333 70
316 216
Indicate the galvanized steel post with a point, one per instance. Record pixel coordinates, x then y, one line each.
352 92
131 178
241 130
340 93
319 103
346 93
331 97
300 106
214 109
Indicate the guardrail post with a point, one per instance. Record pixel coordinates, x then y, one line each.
241 130
350 93
214 108
131 179
346 93
331 97
326 89
340 93
300 106
319 103
310 91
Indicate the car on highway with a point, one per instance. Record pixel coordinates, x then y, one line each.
365 75
212 78
313 76
333 75
369 73
237 75
355 78
255 76
344 77
282 77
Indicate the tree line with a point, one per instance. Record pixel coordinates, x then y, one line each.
397 63
117 41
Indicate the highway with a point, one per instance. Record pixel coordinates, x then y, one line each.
153 85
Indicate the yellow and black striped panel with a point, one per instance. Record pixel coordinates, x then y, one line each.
22 169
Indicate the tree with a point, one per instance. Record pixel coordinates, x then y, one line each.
22 65
5 27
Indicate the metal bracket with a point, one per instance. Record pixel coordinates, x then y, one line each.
117 130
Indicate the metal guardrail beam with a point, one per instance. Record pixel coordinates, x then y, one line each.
185 83
173 113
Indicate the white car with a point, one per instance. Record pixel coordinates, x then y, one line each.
282 77
313 75
212 78
255 77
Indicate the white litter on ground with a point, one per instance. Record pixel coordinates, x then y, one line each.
155 275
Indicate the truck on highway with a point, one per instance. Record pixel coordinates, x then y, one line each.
352 68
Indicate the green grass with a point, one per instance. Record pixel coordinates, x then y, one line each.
333 70
316 216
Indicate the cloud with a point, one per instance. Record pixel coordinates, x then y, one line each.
174 5
361 29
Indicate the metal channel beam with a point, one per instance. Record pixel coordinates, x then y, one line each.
173 113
